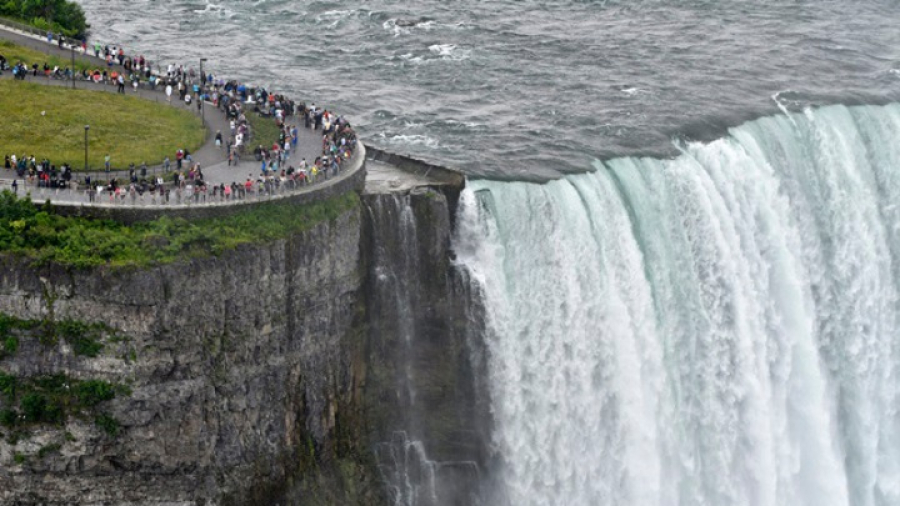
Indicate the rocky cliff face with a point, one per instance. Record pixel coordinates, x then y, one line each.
428 414
334 367
239 372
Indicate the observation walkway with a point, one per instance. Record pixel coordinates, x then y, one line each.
212 159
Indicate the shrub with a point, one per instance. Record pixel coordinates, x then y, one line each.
109 424
48 449
92 392
9 417
8 386
38 408
11 344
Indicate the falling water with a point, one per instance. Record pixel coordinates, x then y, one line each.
715 329
423 399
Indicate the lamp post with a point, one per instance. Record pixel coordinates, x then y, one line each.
73 66
86 128
200 98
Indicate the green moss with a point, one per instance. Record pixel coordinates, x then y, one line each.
19 458
82 243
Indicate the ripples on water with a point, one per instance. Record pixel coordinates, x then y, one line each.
518 89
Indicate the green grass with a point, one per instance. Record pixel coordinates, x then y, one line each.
82 243
265 131
48 122
15 53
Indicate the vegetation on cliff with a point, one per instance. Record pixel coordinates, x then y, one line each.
58 15
52 399
47 237
48 122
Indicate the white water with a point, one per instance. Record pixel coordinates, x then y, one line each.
718 329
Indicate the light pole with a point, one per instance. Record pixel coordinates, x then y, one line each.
86 128
200 98
73 66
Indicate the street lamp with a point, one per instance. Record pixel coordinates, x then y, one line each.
73 66
86 128
200 98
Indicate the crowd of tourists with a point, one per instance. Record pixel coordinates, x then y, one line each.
278 167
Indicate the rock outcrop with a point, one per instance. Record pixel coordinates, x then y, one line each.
298 371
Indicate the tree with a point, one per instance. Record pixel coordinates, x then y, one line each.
62 15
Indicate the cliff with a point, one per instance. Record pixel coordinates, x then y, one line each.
303 371
240 371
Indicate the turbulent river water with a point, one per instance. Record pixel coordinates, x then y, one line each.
518 89
689 323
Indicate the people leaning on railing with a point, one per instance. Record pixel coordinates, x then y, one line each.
234 99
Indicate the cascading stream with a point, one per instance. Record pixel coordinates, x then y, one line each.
716 329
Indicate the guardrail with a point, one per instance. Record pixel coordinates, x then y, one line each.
22 27
175 196
41 35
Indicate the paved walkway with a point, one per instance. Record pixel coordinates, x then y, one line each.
212 159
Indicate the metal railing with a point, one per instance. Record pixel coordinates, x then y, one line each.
77 192
22 27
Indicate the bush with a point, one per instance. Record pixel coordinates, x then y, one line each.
51 399
84 337
38 408
8 386
9 417
57 15
11 344
92 392
109 424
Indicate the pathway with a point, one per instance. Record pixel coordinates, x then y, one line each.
212 159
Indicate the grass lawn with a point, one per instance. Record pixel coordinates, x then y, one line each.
130 129
265 131
15 54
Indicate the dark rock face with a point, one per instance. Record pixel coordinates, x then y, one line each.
339 366
240 368
428 413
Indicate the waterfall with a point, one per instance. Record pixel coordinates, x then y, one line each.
716 329
420 385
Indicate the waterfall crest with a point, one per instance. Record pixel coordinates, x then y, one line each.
716 329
